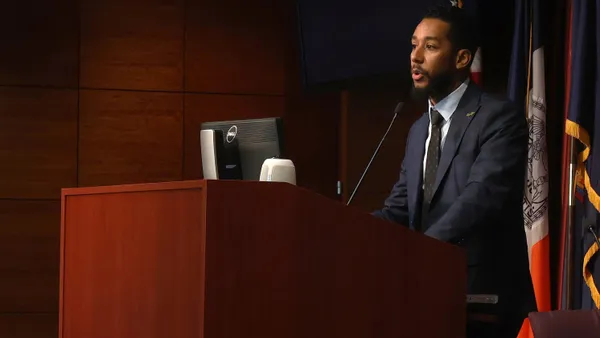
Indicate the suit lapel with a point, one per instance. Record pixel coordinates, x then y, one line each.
461 118
414 170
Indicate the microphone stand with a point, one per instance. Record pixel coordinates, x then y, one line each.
398 108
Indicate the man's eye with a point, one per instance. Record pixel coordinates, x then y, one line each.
430 47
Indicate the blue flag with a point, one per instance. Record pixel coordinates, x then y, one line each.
583 123
519 60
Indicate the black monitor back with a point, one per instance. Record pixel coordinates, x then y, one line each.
243 145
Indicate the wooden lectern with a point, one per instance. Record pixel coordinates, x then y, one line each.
237 259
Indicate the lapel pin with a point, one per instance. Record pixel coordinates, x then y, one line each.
470 114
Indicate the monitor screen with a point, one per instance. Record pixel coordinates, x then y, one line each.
236 149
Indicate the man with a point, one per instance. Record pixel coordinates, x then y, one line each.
463 174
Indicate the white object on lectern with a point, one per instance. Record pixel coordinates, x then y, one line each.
208 141
278 170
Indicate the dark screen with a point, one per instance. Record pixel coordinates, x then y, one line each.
343 40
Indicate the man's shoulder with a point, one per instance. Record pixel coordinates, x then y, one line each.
419 123
498 113
498 105
496 99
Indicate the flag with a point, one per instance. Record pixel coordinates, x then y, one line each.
476 67
527 88
471 7
583 120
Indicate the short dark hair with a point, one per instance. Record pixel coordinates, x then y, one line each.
463 29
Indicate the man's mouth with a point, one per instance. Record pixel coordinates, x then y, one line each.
417 74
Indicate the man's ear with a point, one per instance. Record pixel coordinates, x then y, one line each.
463 58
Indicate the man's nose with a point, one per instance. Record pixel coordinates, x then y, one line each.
416 56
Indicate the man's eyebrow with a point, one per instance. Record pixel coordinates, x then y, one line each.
432 38
428 38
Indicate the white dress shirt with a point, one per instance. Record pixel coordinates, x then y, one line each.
446 108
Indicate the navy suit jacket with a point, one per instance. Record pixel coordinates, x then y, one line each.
478 195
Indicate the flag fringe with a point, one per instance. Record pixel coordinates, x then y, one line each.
578 132
587 275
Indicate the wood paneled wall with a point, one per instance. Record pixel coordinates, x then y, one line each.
114 91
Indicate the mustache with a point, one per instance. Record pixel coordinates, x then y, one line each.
419 70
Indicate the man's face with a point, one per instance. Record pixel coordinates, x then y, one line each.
432 59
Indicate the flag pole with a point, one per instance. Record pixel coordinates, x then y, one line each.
565 280
569 226
529 57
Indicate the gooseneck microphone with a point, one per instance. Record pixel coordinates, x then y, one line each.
591 229
396 111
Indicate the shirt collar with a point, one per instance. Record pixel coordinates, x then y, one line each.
447 105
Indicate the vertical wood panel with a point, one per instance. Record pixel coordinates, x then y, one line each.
38 142
30 325
236 46
312 126
129 137
29 256
201 108
39 43
132 44
138 270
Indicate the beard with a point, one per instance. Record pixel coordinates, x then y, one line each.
437 87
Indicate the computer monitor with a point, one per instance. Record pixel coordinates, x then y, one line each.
236 149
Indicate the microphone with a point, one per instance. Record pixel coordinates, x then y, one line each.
396 111
591 229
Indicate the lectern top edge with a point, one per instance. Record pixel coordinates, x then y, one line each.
134 187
